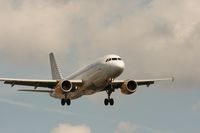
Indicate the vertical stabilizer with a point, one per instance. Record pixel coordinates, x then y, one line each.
55 71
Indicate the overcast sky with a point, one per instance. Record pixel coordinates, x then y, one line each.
156 38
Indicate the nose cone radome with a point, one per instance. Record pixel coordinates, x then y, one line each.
120 65
118 68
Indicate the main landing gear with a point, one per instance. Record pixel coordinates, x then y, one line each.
65 101
109 100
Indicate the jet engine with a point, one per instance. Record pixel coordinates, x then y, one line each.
66 86
129 87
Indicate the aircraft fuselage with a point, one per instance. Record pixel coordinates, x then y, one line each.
95 76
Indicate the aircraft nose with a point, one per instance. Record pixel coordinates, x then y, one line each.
121 66
118 68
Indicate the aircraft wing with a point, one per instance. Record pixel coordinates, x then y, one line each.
147 82
36 83
28 82
152 81
41 91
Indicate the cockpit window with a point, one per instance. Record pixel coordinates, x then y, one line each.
114 59
108 60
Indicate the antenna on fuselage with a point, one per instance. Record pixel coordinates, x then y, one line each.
55 70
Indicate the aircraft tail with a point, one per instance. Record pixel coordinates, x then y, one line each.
55 70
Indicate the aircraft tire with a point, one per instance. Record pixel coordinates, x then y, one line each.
62 102
106 102
111 102
68 101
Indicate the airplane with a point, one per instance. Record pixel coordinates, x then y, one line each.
96 77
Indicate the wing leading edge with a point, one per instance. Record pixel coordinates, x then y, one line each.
37 83
147 82
32 82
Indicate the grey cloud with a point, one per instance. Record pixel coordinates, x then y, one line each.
33 29
159 40
156 38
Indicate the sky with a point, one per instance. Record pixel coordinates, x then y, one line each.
155 38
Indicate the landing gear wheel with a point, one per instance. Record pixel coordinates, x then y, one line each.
106 102
62 102
111 101
68 101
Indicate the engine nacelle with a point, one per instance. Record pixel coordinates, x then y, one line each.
66 86
129 87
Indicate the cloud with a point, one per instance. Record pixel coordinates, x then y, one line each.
126 127
68 128
156 38
29 28
196 107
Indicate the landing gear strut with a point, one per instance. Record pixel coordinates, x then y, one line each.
65 100
109 100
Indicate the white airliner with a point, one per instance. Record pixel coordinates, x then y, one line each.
97 77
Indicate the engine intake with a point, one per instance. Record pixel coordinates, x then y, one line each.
66 86
129 87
